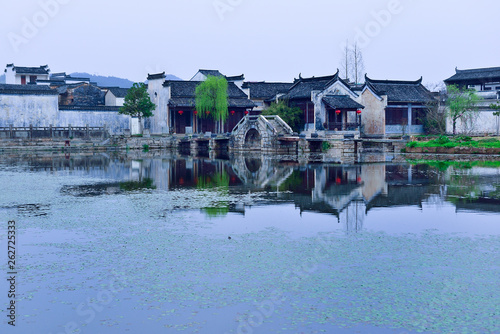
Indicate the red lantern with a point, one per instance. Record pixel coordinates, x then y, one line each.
358 111
246 112
195 112
207 112
232 112
181 112
337 111
338 180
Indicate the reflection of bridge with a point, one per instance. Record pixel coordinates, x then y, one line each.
260 133
260 172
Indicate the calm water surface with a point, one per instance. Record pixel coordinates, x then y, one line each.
166 244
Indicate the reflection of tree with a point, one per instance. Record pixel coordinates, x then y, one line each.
218 211
219 182
147 183
292 182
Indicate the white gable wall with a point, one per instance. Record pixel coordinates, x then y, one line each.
337 88
159 95
373 116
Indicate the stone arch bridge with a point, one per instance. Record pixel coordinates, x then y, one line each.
260 133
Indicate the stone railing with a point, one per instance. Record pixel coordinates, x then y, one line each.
32 132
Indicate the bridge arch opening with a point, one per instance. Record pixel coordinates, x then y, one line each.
253 139
253 165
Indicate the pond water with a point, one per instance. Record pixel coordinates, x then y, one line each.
161 243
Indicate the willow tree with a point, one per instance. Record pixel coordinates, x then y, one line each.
211 100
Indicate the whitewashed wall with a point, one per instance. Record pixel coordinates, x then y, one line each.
159 95
484 122
23 110
115 122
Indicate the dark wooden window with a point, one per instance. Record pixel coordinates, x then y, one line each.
33 79
396 116
417 116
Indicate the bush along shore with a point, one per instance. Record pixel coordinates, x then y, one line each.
455 145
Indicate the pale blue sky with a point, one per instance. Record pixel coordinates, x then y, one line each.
264 39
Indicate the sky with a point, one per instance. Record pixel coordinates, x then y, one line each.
271 40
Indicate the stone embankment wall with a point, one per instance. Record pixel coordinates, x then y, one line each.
453 150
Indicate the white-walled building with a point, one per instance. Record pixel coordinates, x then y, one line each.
115 96
17 75
486 83
25 105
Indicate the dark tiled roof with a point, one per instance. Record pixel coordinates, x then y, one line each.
118 92
236 78
214 73
183 94
69 77
177 102
188 89
189 102
26 90
156 76
302 88
32 70
479 75
400 91
341 102
90 108
266 90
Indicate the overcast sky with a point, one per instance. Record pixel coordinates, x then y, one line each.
272 40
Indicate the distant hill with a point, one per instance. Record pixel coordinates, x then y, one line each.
113 81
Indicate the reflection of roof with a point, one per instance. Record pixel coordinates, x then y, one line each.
6 89
479 75
401 195
400 91
341 102
266 90
480 204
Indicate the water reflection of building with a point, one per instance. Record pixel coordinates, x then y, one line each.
346 192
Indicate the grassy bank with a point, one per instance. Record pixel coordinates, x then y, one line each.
460 141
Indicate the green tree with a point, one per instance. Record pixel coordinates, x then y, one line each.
497 112
137 103
294 116
462 104
495 107
212 101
